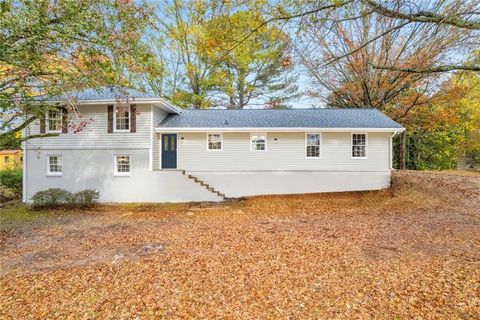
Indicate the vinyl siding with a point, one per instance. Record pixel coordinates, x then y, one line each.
95 135
158 115
287 154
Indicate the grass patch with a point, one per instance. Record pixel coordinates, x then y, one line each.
21 212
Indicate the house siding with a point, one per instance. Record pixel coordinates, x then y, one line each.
88 161
95 170
95 135
287 154
157 115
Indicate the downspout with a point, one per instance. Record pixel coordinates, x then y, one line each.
390 151
391 148
24 168
151 139
24 162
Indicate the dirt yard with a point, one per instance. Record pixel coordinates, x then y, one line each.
411 251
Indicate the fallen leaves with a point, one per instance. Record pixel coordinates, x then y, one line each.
411 251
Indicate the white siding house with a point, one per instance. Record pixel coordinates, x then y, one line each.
138 148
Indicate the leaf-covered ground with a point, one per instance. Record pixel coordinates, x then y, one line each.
411 251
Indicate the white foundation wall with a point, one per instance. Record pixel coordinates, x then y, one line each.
243 184
94 169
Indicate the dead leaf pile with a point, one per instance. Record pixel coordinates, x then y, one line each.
410 251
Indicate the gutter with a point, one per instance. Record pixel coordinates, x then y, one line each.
276 129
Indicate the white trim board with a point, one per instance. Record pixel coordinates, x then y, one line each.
276 129
157 102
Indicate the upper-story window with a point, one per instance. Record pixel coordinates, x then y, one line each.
54 121
359 145
214 141
121 118
312 145
258 141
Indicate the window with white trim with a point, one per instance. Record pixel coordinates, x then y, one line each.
122 118
54 165
258 141
54 121
312 145
359 145
214 141
122 165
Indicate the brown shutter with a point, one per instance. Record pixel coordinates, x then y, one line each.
110 119
64 119
133 118
42 124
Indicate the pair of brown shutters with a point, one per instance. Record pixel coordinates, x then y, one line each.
133 119
64 112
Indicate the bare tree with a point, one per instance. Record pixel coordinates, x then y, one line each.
340 56
460 15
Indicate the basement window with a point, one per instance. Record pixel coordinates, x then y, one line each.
122 165
359 145
54 165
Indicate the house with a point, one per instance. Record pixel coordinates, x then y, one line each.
140 148
10 158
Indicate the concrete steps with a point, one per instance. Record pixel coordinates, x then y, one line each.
205 185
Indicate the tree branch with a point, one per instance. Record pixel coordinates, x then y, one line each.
424 16
366 43
35 136
438 69
289 17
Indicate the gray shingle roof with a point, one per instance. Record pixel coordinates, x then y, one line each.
288 118
104 93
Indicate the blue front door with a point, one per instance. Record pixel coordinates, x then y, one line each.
169 151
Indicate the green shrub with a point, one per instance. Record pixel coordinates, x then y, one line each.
51 198
7 194
12 178
56 197
86 198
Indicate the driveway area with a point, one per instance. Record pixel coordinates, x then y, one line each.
410 251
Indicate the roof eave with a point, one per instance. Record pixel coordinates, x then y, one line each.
158 102
277 129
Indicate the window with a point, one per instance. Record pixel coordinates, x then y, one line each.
7 159
54 166
122 118
258 141
122 165
359 145
214 141
312 145
54 121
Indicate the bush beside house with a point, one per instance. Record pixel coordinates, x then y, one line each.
56 197
10 184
